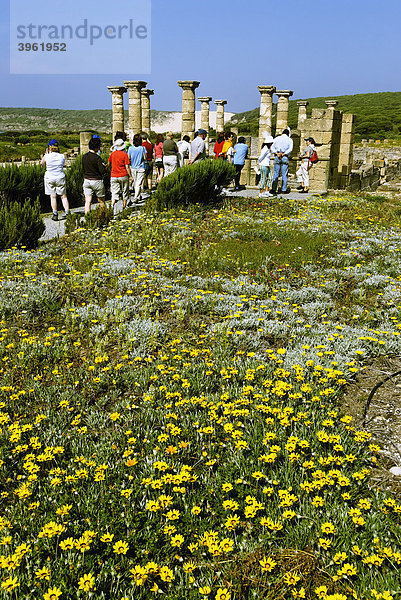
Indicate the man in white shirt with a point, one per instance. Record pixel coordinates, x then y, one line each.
198 147
281 148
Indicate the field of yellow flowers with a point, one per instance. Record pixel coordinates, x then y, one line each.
169 406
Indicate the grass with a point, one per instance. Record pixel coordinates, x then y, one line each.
169 406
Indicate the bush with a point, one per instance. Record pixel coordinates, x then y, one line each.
18 184
96 219
200 183
20 224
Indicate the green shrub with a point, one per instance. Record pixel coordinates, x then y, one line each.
200 183
18 184
96 219
20 224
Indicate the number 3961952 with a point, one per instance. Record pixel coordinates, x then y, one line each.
42 47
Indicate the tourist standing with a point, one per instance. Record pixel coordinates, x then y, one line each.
227 151
120 173
264 166
240 154
94 170
184 149
170 154
218 147
303 171
159 156
55 182
149 161
198 147
281 148
137 155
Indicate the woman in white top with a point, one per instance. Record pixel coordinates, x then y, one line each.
264 166
55 182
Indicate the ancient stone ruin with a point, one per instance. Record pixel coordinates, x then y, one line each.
332 130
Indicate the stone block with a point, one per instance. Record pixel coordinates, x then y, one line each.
317 113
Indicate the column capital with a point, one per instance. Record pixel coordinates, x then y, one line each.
267 89
119 89
205 98
331 103
302 102
138 85
284 93
189 84
147 93
220 102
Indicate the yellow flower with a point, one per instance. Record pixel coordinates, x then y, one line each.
291 579
223 594
177 541
166 574
328 528
9 584
189 566
52 594
87 582
120 547
205 590
107 538
267 564
43 573
67 544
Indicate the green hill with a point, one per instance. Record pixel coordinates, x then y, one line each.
377 115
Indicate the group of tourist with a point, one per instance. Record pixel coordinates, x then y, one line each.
281 148
133 163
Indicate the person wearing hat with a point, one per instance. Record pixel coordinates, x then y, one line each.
120 173
264 166
55 182
198 147
303 171
282 147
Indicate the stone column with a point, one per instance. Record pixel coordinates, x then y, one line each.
135 105
302 104
282 110
188 107
118 107
146 109
205 123
345 158
266 107
331 103
84 139
220 114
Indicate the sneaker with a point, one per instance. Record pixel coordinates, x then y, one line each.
286 192
54 217
300 187
272 193
304 192
266 195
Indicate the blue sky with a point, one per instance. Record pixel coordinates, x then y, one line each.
316 48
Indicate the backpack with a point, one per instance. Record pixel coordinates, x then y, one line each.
314 157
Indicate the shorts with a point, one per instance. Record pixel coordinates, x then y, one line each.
148 168
94 186
159 163
119 185
55 185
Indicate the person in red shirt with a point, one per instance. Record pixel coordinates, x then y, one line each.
218 147
149 161
159 156
120 173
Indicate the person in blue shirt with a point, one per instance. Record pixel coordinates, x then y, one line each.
282 147
137 155
240 154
